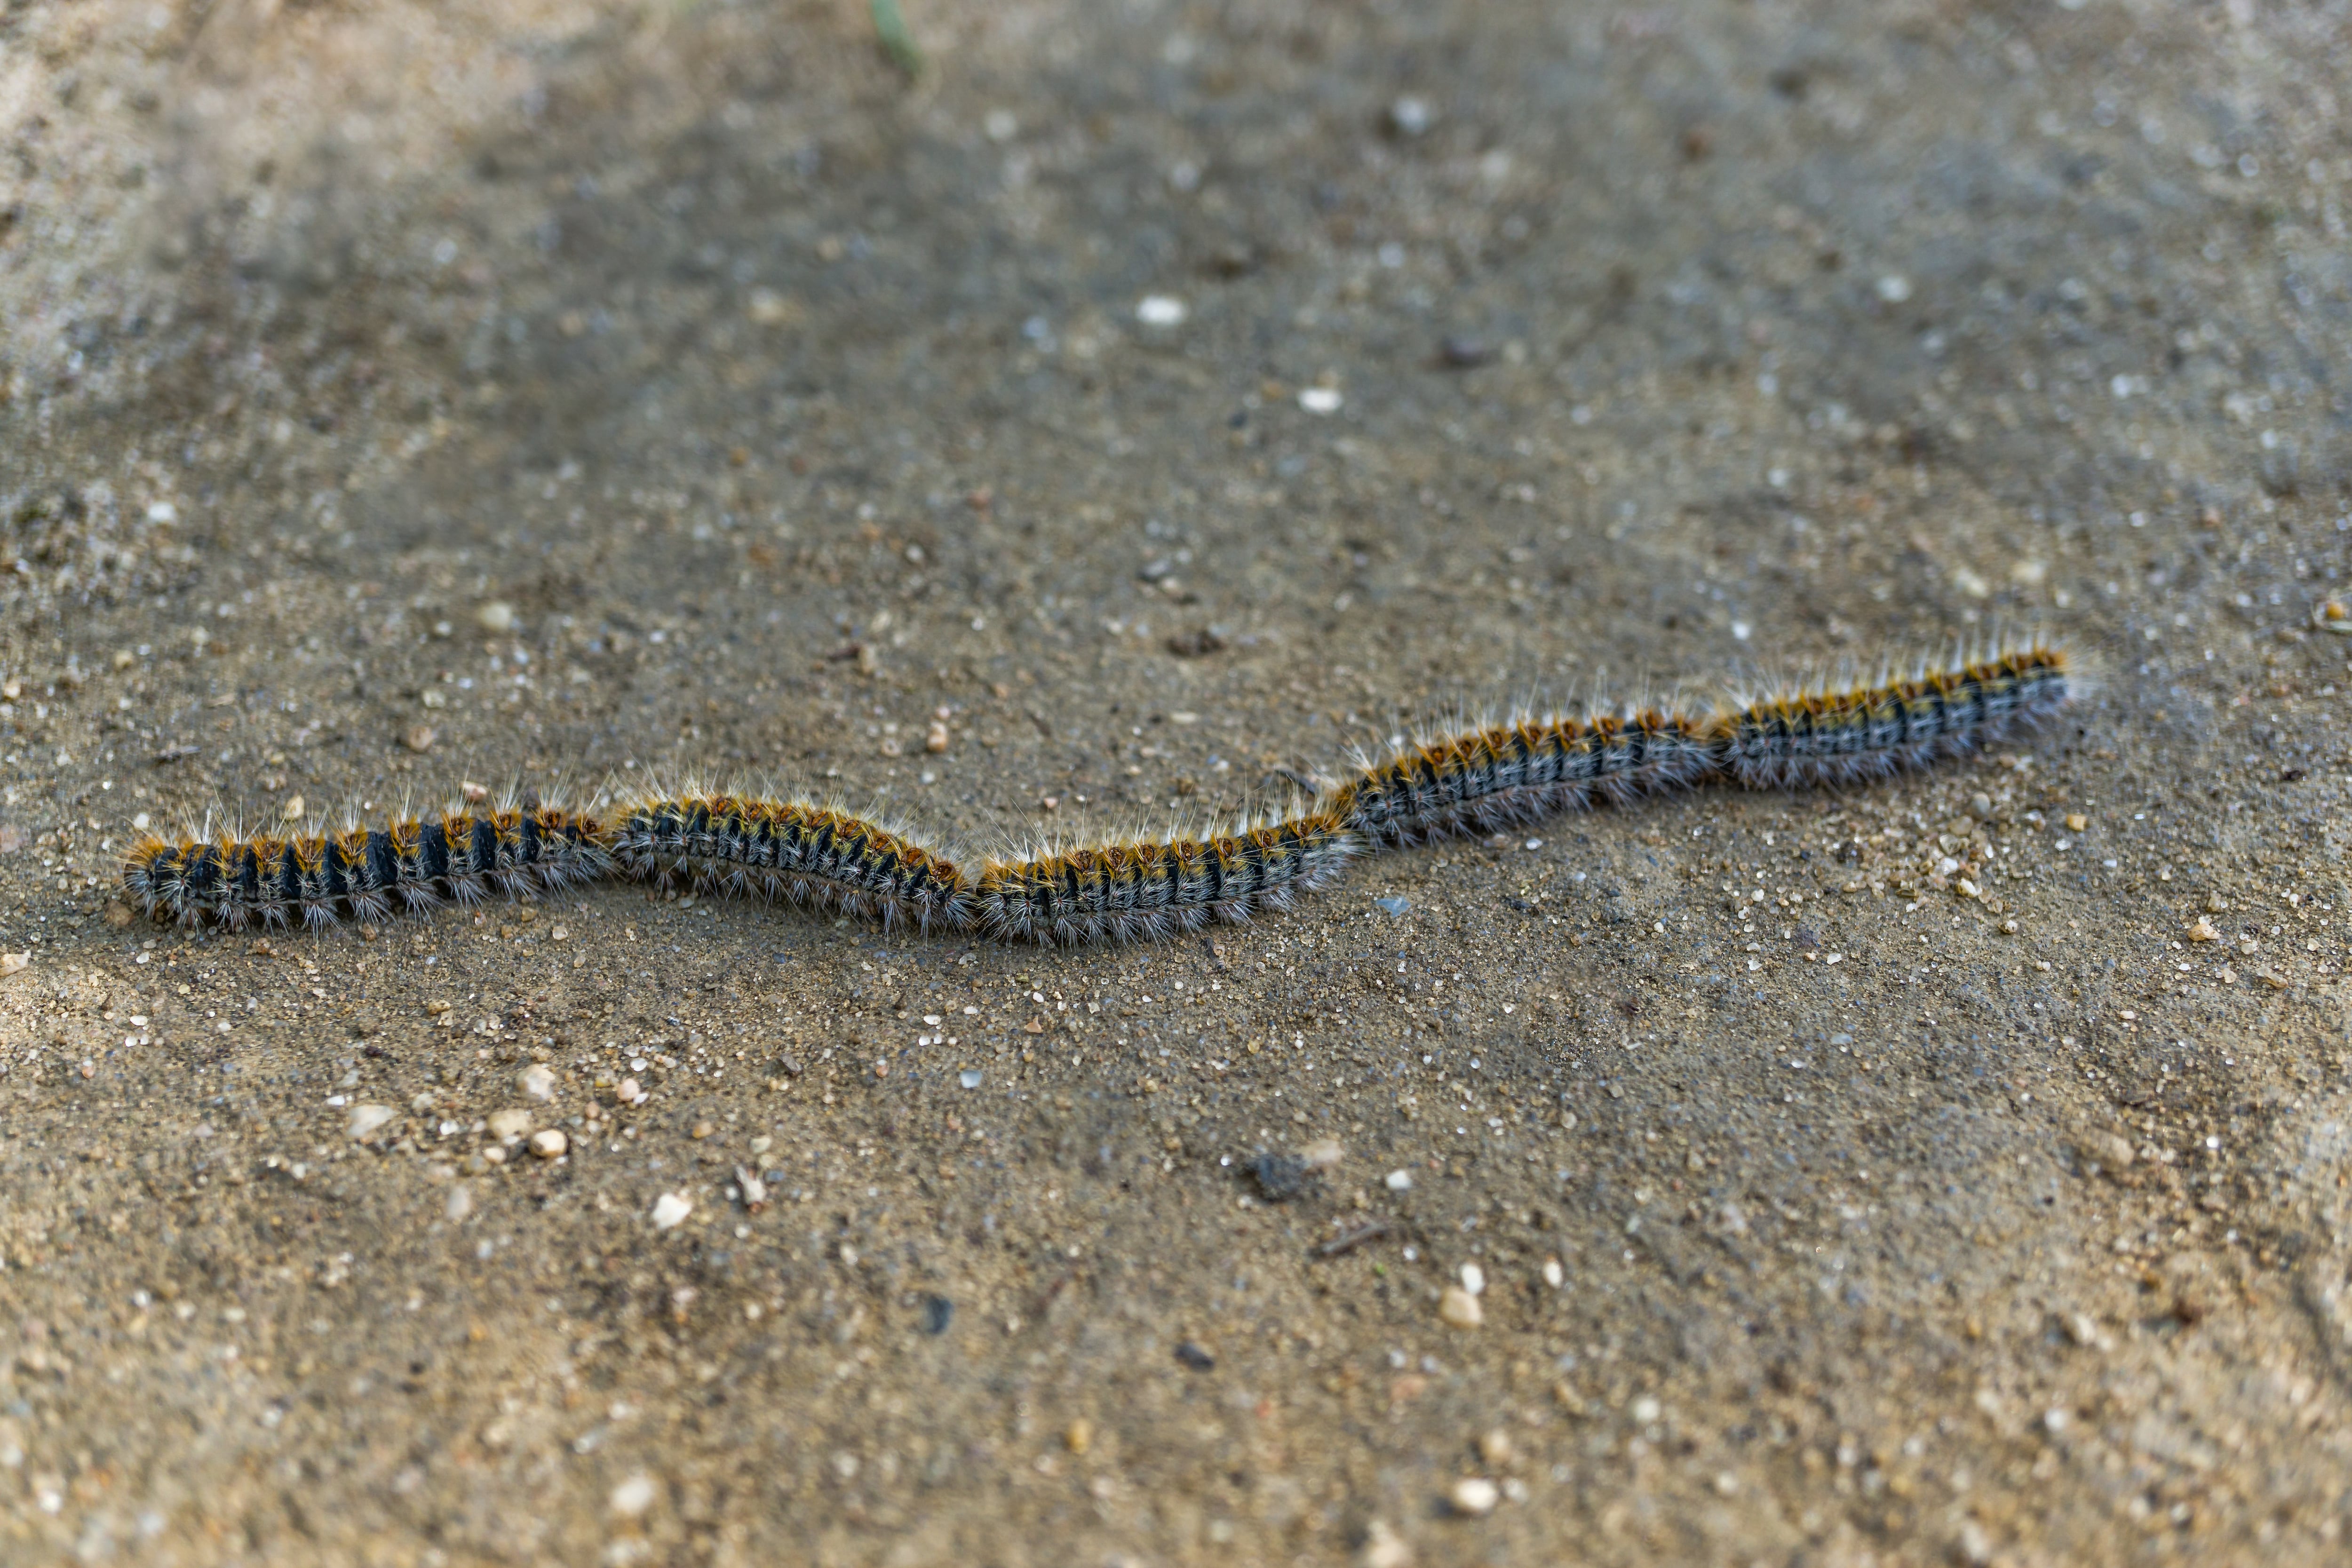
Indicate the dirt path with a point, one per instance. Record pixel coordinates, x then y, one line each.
1140 403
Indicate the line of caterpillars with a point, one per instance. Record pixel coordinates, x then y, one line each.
1477 781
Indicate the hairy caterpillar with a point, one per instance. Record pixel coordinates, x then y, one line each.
1123 892
1129 890
461 855
814 854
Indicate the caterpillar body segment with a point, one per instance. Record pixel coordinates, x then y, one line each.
1148 890
811 853
1825 735
406 865
1507 775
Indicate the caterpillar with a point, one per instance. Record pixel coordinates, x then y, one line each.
1148 890
814 854
1142 888
458 855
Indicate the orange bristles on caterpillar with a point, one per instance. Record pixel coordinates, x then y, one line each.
1132 889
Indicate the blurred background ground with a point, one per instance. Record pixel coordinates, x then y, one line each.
1141 399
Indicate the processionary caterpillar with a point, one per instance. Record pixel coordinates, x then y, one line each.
1478 779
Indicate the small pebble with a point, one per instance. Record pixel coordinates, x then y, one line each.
1463 353
2201 930
1398 1180
633 1496
970 1078
1322 1153
293 808
1980 806
497 615
1496 1447
1161 311
1460 1308
510 1123
938 1313
1895 287
671 1211
539 1081
1475 1496
1080 1435
1281 1177
420 737
1553 1274
547 1142
768 308
1473 1280
1384 1548
1194 1356
1394 906
1321 399
367 1120
1411 116
630 1092
2109 1149
459 1203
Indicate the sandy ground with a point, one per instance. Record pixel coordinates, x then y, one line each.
1950 1170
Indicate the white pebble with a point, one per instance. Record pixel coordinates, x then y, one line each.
1398 1180
460 1202
1473 1280
633 1496
510 1123
1895 287
539 1081
1161 311
671 1211
497 615
1321 399
1383 1547
1475 1496
549 1142
1554 1275
369 1120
